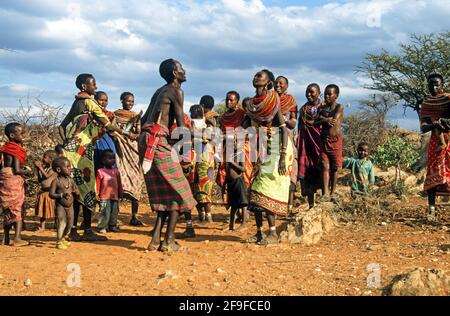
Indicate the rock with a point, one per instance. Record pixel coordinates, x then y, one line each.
374 247
219 270
1 276
216 284
167 275
308 227
206 241
27 282
419 282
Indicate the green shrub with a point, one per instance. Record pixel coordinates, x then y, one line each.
395 152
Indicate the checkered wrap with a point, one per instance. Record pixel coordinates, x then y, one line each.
166 184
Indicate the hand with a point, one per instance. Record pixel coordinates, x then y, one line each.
38 163
67 196
331 121
282 165
133 136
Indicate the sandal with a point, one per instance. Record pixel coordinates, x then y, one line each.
21 243
173 247
255 239
270 240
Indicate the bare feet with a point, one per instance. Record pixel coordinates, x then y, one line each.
153 247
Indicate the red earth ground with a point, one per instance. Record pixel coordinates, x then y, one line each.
216 262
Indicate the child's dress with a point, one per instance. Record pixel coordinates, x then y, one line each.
45 206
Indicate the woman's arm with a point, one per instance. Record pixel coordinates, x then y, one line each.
277 122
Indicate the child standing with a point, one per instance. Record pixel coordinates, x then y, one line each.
363 173
12 189
331 115
205 165
110 190
45 206
236 188
63 190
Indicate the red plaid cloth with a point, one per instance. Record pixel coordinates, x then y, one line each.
167 186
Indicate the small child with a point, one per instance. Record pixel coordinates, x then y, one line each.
63 190
110 190
236 188
205 164
363 173
45 206
12 185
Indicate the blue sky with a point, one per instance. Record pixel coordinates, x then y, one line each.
221 44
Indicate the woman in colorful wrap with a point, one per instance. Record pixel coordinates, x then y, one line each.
434 114
309 145
169 192
290 111
12 185
88 124
269 191
128 154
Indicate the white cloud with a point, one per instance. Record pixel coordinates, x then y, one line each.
220 43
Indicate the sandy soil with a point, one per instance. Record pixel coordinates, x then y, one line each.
218 263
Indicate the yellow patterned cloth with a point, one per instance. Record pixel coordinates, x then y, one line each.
269 189
81 139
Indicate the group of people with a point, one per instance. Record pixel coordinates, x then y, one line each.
106 156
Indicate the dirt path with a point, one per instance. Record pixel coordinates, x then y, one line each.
217 263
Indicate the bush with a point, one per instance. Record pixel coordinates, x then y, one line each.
396 152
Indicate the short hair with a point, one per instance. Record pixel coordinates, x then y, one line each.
82 79
124 95
106 152
435 76
238 97
207 102
362 144
99 93
166 69
333 86
313 85
11 128
58 161
50 153
287 81
59 149
271 78
196 111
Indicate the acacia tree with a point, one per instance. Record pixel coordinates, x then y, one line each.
379 105
405 74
